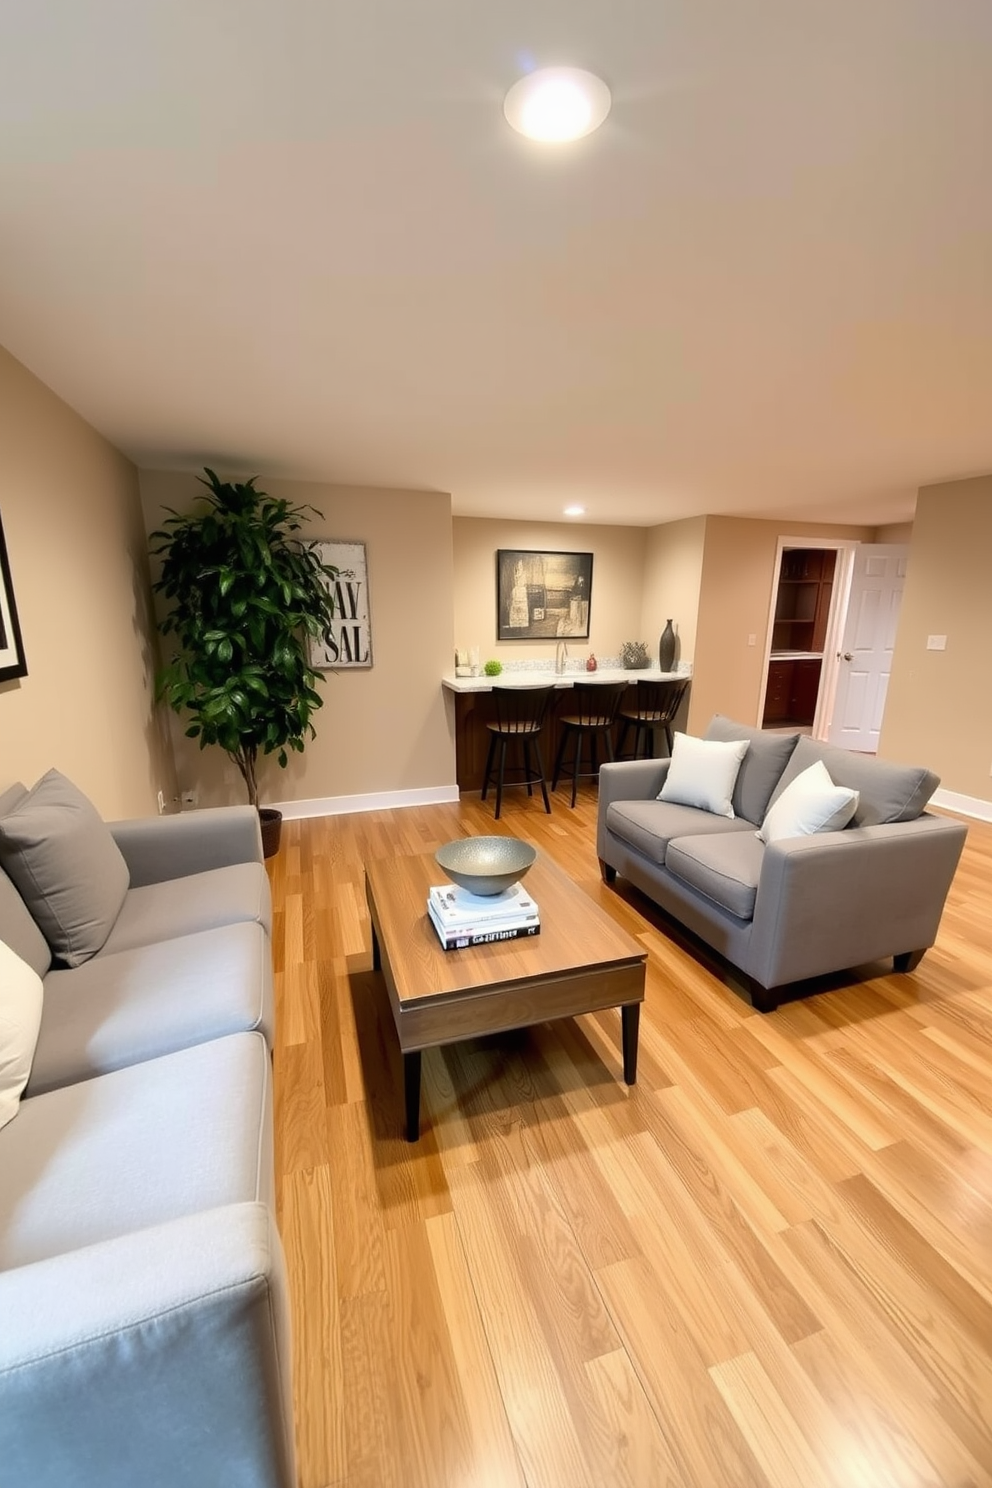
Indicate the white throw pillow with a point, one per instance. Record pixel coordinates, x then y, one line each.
20 1019
703 773
811 803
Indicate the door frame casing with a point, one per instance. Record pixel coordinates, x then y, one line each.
845 548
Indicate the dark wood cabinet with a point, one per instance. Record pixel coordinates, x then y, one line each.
802 604
793 685
802 610
777 692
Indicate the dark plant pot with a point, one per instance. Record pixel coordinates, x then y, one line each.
271 823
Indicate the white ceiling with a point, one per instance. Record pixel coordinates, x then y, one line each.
297 237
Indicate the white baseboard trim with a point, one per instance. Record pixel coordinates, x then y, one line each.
966 805
434 795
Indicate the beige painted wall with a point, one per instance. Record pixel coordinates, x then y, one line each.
939 706
383 729
76 545
738 578
672 577
617 581
895 532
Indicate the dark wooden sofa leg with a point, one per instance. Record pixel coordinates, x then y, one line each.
609 874
908 960
763 999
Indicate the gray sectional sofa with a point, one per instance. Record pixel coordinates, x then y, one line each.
144 1317
787 910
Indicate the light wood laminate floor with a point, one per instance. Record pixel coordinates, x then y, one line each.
767 1265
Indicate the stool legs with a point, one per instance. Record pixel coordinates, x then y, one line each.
624 727
499 777
544 783
496 764
594 734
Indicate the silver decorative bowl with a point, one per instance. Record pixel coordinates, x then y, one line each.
485 865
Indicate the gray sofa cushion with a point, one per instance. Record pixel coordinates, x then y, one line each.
726 869
174 1136
761 768
120 1009
183 906
11 796
650 826
888 792
18 929
66 865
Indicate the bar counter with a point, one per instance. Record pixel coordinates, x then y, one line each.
473 710
542 676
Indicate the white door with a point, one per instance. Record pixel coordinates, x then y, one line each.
865 656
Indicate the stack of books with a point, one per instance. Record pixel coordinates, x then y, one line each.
463 919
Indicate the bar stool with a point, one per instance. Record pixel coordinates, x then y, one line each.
654 707
592 711
520 715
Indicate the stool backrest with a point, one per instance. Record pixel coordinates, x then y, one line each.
520 709
658 701
595 704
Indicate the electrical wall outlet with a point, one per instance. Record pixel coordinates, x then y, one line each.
936 643
190 798
161 803
752 639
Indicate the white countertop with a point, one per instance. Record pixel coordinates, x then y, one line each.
531 677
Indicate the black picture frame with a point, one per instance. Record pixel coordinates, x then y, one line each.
541 596
12 661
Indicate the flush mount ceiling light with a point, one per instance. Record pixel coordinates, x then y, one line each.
556 104
575 511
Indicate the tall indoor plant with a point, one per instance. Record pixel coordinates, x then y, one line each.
245 595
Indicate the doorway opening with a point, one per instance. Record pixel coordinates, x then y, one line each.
809 601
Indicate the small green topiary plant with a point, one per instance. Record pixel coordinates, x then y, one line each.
493 668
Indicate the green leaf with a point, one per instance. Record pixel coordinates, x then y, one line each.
244 591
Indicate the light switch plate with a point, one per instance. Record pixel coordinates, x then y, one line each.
937 643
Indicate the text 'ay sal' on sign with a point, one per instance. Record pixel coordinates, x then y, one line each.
347 640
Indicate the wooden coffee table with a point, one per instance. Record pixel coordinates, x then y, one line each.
580 962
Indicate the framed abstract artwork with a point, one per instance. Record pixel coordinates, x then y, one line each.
12 662
540 596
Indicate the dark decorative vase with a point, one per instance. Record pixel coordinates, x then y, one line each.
666 648
271 823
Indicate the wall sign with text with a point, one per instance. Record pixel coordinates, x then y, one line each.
347 641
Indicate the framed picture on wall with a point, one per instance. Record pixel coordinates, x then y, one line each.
541 596
346 644
12 662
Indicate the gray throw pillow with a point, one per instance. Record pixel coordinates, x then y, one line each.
888 792
66 866
761 768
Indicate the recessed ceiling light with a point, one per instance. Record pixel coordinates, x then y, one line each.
575 511
556 104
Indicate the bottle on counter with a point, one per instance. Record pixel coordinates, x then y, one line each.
591 663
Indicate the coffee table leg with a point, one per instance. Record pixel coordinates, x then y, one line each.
630 1015
411 1092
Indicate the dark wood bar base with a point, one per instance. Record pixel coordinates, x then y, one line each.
474 710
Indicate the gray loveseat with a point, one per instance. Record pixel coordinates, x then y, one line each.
789 910
144 1319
